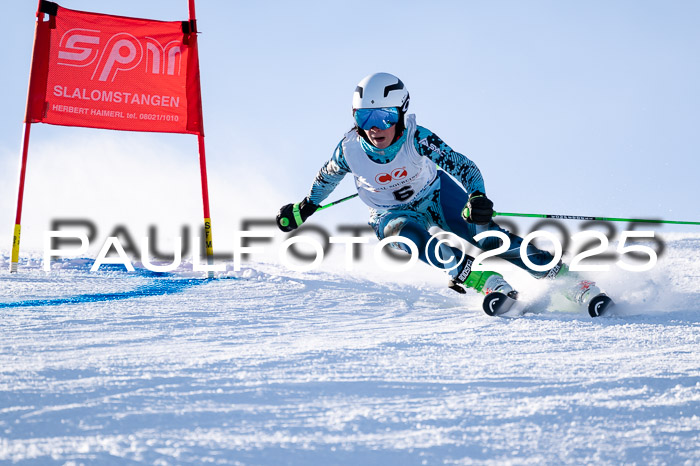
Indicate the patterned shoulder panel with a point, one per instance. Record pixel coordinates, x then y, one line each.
329 176
430 145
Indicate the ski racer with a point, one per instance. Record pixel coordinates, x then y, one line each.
395 164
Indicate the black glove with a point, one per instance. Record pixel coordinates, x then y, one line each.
479 209
291 216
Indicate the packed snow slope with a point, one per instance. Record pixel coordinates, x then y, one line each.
270 366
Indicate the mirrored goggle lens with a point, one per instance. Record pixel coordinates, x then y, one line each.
382 118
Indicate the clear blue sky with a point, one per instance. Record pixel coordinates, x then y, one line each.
587 108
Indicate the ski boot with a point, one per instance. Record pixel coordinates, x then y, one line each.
583 292
586 292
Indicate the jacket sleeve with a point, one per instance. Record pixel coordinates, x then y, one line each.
430 145
329 176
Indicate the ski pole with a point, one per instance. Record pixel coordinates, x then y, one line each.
553 216
603 219
331 204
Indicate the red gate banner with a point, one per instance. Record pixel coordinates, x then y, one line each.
113 72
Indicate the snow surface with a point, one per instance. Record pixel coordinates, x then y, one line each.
270 366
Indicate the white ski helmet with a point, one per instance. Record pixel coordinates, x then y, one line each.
380 90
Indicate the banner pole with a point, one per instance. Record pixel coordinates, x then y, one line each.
193 14
14 260
14 256
205 201
203 161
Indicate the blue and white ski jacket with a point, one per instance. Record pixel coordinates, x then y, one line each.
425 143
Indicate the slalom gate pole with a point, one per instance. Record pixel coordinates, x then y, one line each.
602 219
205 202
14 260
203 165
14 257
331 204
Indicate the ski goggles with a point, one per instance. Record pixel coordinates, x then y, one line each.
382 118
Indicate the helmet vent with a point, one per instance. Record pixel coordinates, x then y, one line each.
394 87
